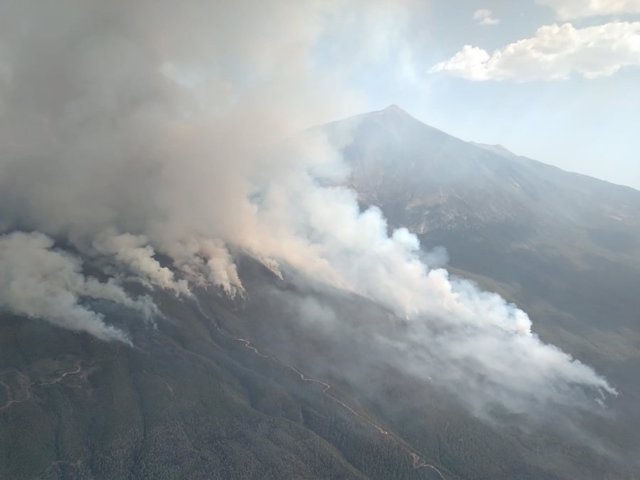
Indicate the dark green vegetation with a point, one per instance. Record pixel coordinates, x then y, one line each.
187 403
192 401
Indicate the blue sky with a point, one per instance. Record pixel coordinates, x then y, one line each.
577 108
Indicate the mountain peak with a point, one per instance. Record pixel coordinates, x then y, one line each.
394 113
393 108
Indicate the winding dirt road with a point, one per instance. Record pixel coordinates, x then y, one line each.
26 386
60 378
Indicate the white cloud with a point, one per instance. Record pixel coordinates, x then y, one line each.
555 52
568 9
485 17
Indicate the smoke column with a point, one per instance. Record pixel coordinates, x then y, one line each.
130 130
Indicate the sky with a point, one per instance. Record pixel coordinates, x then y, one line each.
554 80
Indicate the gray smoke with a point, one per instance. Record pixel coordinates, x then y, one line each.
133 129
41 282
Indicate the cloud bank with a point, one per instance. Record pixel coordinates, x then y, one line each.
570 9
555 52
145 130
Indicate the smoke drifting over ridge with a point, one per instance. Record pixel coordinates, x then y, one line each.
42 282
134 128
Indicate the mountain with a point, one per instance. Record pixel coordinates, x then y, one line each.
565 247
247 387
568 243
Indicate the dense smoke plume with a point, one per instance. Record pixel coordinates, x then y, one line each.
42 282
134 130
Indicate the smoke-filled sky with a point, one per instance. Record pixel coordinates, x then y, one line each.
132 129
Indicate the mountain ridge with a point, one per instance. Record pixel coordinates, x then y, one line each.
563 246
394 112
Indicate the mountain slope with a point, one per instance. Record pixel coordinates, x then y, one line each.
563 246
189 401
502 215
253 388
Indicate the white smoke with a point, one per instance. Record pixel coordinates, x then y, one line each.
465 339
147 128
134 253
207 262
39 281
